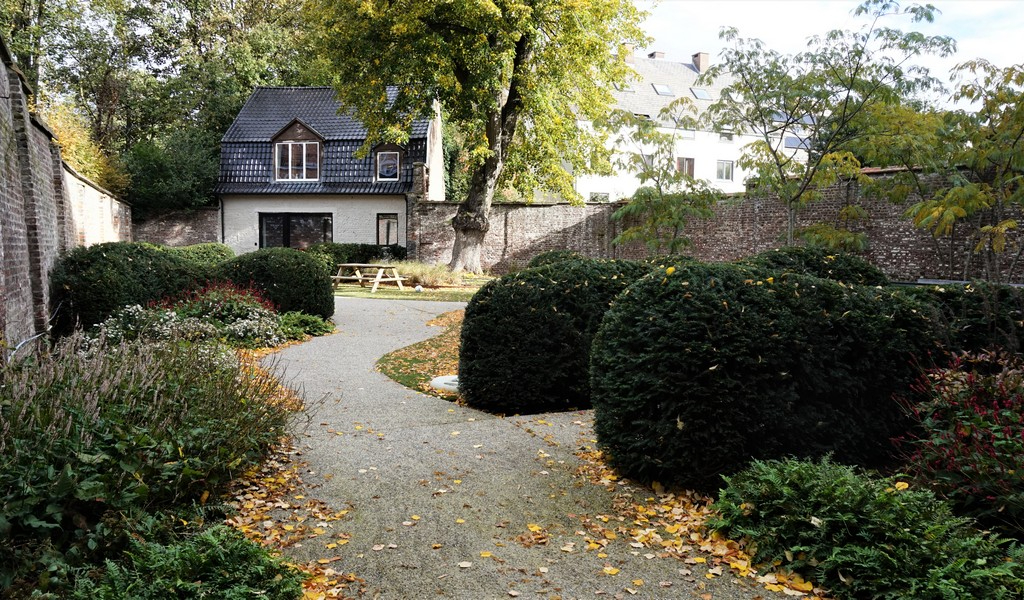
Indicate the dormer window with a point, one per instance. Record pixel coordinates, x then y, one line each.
297 161
388 163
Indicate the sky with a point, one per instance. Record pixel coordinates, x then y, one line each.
989 29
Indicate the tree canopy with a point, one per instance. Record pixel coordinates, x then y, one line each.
809 109
517 77
158 82
669 197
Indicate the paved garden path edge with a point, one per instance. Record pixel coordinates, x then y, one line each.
438 494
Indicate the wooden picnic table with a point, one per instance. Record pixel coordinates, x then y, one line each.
364 273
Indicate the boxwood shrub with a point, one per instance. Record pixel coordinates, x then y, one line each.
975 316
552 256
838 266
359 253
526 336
209 254
701 368
293 280
89 283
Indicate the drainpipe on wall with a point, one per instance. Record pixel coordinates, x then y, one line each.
220 203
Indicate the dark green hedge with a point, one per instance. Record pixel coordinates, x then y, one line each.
359 253
88 284
293 280
208 255
699 370
526 336
975 316
838 266
552 256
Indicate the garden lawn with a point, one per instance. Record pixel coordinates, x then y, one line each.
414 366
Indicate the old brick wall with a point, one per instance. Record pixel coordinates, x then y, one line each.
36 211
741 227
180 228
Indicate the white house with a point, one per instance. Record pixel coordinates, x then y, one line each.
705 154
289 175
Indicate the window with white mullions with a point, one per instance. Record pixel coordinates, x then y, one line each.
387 166
724 171
297 161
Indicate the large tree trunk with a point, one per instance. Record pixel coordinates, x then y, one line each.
471 221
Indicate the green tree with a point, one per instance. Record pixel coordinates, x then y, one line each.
517 76
979 157
30 26
669 196
808 109
177 170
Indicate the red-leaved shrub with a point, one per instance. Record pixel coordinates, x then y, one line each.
971 439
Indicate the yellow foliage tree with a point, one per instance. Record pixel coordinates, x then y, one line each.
79 149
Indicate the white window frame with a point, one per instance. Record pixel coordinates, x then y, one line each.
290 147
398 165
682 162
725 170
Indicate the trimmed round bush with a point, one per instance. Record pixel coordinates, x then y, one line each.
89 284
359 253
526 336
551 257
208 255
834 265
699 368
291 279
976 316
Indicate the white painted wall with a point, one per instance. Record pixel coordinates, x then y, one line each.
706 148
435 159
354 217
95 216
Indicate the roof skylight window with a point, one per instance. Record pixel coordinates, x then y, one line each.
662 90
700 93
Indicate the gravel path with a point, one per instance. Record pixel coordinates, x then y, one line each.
430 485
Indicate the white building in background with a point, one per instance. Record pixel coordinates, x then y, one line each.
706 154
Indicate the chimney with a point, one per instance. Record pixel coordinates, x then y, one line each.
656 55
627 52
701 61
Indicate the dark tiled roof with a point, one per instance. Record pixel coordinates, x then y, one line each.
246 160
271 109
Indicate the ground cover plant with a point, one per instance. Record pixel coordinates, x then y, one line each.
699 368
526 336
970 439
864 537
224 312
93 436
217 563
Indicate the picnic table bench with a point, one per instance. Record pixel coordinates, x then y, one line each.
364 273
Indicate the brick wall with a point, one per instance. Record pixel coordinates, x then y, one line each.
741 227
37 220
180 228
